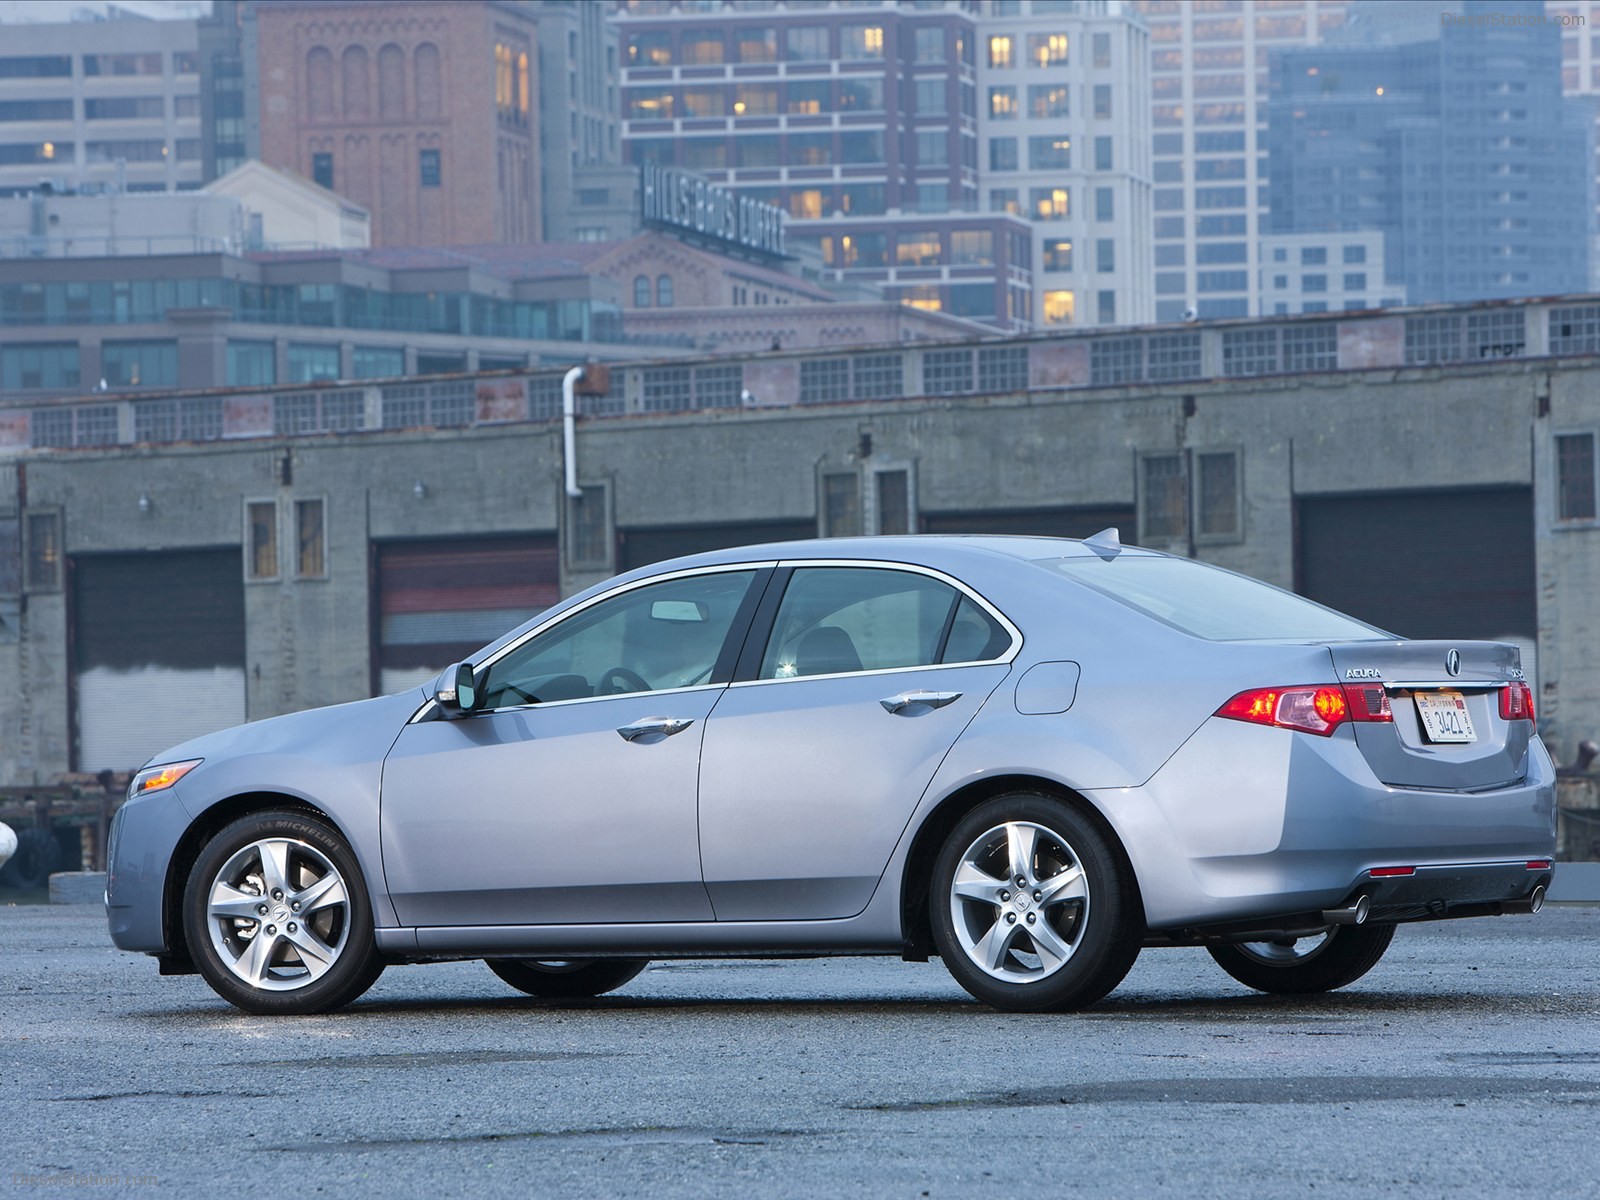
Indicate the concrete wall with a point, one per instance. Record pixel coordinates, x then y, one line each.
309 641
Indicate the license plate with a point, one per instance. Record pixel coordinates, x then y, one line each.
1444 716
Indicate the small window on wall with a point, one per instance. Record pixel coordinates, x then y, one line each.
322 170
663 291
261 539
841 504
894 502
310 550
1163 513
42 552
641 291
589 541
1575 477
429 162
1218 496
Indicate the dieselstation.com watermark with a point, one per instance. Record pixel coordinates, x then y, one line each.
77 1179
1510 20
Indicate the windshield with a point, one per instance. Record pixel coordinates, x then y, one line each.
1210 602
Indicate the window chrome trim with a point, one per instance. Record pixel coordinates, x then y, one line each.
426 711
1004 659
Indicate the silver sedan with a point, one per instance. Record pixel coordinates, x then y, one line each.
1030 757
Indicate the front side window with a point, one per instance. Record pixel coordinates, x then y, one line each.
835 620
662 635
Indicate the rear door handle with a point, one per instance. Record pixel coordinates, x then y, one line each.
911 704
653 729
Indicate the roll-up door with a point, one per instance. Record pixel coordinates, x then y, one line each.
1035 522
1437 564
438 601
641 547
158 652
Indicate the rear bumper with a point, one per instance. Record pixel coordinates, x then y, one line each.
1246 823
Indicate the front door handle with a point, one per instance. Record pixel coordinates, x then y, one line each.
653 729
911 704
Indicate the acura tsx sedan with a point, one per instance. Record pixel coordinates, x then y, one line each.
1030 757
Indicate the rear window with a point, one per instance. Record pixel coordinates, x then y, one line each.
1211 603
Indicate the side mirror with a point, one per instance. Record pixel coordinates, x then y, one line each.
459 690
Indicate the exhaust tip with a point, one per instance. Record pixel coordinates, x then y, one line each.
1353 914
1536 899
1363 907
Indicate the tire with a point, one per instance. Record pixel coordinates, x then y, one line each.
1063 940
566 979
29 868
288 864
1302 966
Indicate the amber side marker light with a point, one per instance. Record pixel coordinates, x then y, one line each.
159 779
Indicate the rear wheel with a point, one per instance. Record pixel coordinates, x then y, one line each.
1032 908
1338 956
277 916
566 978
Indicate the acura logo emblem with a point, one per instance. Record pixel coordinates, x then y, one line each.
1452 662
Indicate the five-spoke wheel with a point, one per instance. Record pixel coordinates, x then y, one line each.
277 917
1031 907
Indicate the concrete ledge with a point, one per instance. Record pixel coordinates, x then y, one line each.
78 887
1575 882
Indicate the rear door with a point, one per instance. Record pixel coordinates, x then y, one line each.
817 755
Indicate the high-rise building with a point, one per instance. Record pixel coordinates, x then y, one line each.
100 102
860 122
1209 65
1064 129
426 112
587 193
230 91
1578 21
1459 149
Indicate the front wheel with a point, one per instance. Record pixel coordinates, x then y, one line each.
566 979
1032 908
277 916
1338 956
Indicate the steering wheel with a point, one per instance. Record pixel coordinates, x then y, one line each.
631 680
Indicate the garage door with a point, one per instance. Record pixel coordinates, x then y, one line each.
438 601
641 547
1438 564
158 652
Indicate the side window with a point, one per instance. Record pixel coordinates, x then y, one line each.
975 636
839 619
664 635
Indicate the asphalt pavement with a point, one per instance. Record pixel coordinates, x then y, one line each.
1466 1064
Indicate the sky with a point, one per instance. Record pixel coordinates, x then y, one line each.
29 11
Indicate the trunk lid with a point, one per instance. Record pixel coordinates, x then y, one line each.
1404 753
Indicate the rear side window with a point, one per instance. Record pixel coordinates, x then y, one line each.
836 620
1209 602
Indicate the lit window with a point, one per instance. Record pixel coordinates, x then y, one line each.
1000 52
1060 307
1003 103
1045 50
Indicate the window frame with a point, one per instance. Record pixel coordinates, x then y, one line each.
1557 521
761 629
247 545
30 581
738 632
1196 497
298 509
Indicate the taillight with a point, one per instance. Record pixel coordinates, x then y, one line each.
1516 702
1318 709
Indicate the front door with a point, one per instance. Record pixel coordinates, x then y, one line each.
572 799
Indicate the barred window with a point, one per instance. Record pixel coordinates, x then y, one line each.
719 386
310 540
1575 330
1217 501
1002 368
177 421
1575 477
587 527
42 554
1433 339
841 504
261 539
824 380
1163 512
878 376
86 425
1249 352
544 397
1116 360
1499 334
668 389
319 412
894 501
946 372
1312 347
1173 356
